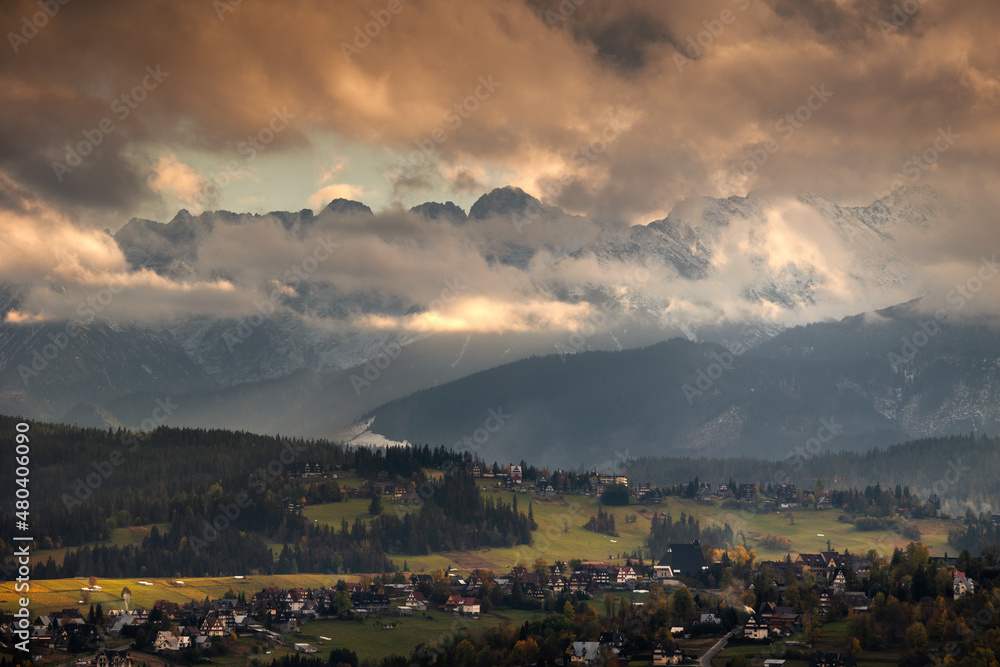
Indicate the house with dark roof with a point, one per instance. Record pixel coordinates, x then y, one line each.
461 605
70 635
366 602
416 601
107 657
667 653
681 560
615 642
584 652
820 659
962 585
755 629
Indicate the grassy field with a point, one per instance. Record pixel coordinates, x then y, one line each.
351 509
834 640
561 534
811 530
119 537
55 594
370 639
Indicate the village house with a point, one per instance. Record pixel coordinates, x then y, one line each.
461 605
667 653
213 627
584 652
41 628
781 621
820 659
106 657
962 585
826 564
579 581
366 602
625 575
600 573
81 634
415 601
755 629
614 642
786 493
166 641
681 560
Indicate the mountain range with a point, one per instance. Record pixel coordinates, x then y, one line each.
719 273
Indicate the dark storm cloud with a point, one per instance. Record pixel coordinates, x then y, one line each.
842 25
622 34
689 126
465 181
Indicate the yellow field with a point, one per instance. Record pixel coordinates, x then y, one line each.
560 535
55 594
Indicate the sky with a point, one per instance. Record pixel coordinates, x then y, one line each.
616 111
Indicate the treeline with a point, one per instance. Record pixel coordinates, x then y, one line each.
454 516
663 531
978 534
603 523
956 469
87 482
878 502
339 657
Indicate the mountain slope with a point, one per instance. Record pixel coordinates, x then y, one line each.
712 270
680 398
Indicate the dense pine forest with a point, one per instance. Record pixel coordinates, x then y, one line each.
225 494
958 469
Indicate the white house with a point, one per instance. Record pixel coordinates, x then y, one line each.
754 629
166 641
625 575
585 652
415 601
962 585
667 653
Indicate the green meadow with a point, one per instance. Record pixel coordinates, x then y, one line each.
561 534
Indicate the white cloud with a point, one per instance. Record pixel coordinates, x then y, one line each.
176 179
319 199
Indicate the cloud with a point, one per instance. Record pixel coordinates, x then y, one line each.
559 82
328 193
484 315
689 128
57 268
180 181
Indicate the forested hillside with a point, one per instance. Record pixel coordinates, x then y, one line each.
225 495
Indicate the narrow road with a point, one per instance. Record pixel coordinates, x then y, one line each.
706 660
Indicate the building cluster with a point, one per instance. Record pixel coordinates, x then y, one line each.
512 478
273 612
833 573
